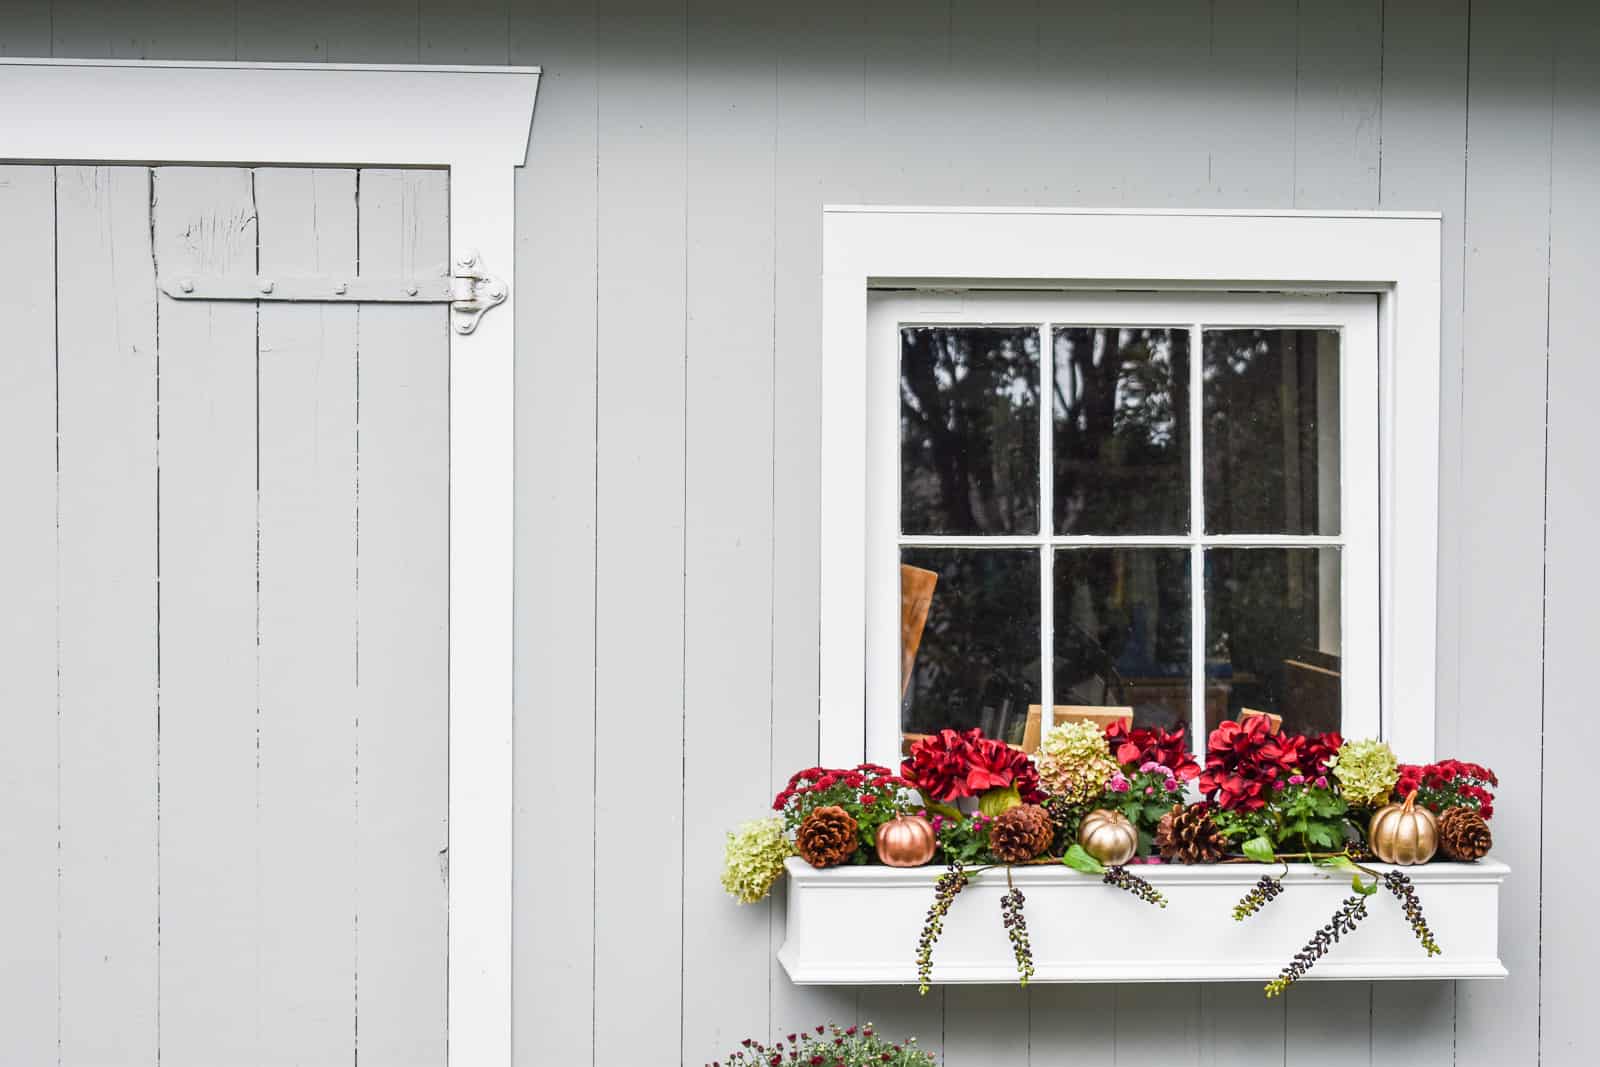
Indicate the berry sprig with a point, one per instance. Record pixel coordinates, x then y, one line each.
945 889
1344 921
1017 930
1400 885
1132 883
1264 892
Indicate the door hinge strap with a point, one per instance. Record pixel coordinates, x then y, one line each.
468 289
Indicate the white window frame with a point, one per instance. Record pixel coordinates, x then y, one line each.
1353 316
1395 256
475 121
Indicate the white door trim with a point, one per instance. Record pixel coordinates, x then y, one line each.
475 121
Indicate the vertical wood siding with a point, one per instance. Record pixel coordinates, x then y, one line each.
669 235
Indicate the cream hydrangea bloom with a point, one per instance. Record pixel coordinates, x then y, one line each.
1074 761
1367 771
753 859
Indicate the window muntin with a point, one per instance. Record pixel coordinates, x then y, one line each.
1270 434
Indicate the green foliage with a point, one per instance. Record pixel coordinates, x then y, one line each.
963 841
1259 849
1079 860
836 1046
999 801
1309 818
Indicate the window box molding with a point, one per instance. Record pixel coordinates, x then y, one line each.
859 926
1393 255
475 121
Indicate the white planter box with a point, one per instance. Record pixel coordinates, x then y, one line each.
859 926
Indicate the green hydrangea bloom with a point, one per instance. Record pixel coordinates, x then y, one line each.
1074 761
1367 771
753 859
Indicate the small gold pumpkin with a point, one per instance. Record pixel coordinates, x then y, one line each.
1108 836
1404 833
907 841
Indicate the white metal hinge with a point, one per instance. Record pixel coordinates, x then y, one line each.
467 288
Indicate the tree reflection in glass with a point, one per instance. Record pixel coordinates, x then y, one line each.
1121 430
978 664
969 429
1271 431
1122 631
1273 635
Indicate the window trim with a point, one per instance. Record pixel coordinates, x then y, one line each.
1354 316
1393 255
475 121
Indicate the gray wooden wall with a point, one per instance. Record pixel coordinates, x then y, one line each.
668 417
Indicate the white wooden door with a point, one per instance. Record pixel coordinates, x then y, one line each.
223 621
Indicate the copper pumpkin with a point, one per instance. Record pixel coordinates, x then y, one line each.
907 841
1108 836
1403 833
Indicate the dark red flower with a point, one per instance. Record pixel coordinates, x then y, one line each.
1135 748
952 764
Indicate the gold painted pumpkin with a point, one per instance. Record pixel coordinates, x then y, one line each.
1404 833
907 841
1108 836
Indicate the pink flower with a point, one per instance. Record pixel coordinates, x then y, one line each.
1118 783
1297 779
1149 790
1172 785
1147 766
1321 782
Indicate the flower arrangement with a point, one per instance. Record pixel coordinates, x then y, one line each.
1096 800
1449 784
953 765
828 1046
1075 762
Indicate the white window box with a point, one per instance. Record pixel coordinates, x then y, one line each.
859 926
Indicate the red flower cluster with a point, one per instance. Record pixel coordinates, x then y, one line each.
952 764
866 784
1449 784
1244 761
1135 748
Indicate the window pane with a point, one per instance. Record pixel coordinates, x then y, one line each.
977 662
1122 629
969 430
1272 635
1121 426
1271 447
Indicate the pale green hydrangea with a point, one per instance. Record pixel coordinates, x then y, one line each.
1074 761
1367 771
753 859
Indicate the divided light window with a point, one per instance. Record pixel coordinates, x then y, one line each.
1164 502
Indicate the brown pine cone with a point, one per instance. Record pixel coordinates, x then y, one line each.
1463 835
1021 833
1189 836
827 837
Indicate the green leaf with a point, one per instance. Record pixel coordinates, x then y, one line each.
935 808
1079 860
996 801
1340 862
1259 849
1361 887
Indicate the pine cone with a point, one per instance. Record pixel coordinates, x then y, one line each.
1189 836
827 837
1463 835
1021 833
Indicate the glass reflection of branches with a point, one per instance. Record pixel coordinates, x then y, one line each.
969 429
1121 430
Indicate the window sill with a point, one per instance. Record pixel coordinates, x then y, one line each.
859 926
